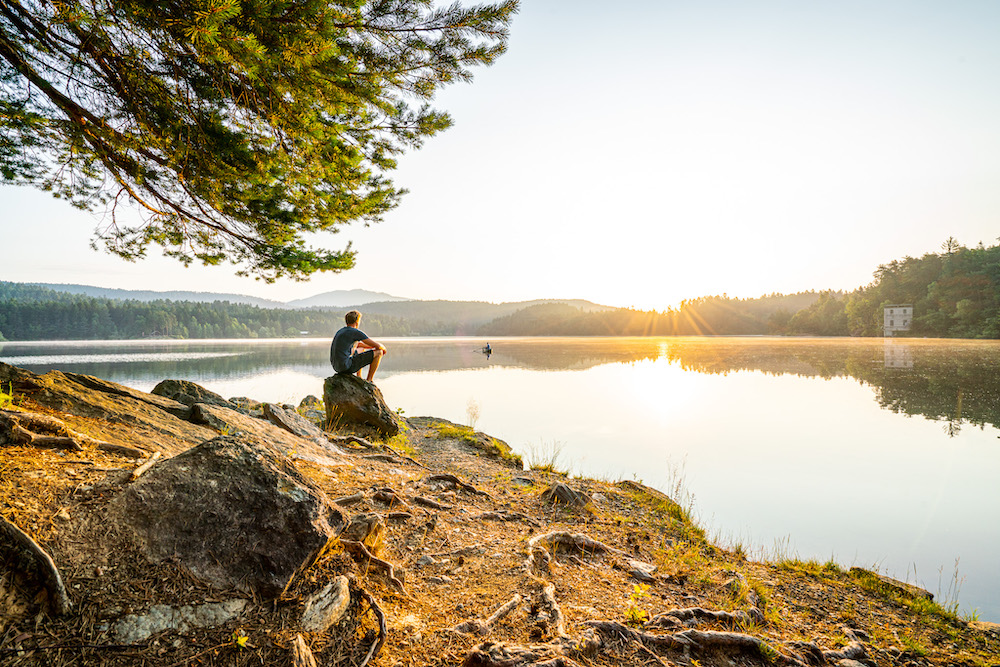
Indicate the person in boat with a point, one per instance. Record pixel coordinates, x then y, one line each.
352 349
487 349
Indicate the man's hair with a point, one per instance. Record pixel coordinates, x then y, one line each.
353 317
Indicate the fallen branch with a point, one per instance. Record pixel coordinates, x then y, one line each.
141 470
383 630
35 558
477 627
366 559
433 504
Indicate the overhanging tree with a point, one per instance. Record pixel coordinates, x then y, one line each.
239 127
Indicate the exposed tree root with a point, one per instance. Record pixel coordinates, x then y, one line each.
405 457
492 654
359 552
556 539
36 430
505 515
349 440
433 504
692 616
475 626
390 497
352 499
456 482
301 654
558 623
383 630
796 654
35 561
384 458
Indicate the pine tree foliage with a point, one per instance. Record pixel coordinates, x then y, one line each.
240 127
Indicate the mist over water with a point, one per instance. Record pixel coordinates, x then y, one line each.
872 452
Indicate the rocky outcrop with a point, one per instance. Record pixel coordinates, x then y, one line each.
127 417
351 401
189 393
233 513
298 425
266 434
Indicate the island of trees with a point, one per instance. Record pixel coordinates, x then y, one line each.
955 293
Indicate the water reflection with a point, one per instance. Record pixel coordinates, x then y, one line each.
957 382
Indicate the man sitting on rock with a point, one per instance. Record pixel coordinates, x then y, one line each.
352 349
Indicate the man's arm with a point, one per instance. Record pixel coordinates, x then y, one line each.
369 344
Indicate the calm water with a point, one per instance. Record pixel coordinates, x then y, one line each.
871 452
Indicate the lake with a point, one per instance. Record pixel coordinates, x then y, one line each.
871 452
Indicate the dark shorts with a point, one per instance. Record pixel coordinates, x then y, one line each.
359 361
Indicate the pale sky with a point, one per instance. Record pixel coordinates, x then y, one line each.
639 153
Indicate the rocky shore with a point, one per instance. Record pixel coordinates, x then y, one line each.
180 527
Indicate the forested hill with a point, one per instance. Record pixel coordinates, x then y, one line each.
33 312
30 312
954 293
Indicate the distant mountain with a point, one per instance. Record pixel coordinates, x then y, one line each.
463 317
343 298
148 295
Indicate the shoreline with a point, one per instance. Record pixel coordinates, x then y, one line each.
619 558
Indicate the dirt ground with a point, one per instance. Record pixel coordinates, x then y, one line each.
622 578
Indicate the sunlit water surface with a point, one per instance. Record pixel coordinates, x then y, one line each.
870 452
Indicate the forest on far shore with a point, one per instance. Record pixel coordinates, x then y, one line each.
954 293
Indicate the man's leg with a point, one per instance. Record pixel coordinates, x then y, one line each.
373 366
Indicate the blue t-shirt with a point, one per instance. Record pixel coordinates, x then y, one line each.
343 343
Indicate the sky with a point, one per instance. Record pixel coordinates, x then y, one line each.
642 152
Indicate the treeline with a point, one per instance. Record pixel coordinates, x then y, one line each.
35 313
711 315
955 294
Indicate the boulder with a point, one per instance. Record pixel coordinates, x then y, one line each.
353 401
563 494
189 393
232 512
312 409
311 401
250 406
292 422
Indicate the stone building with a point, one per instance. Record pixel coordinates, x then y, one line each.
897 317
